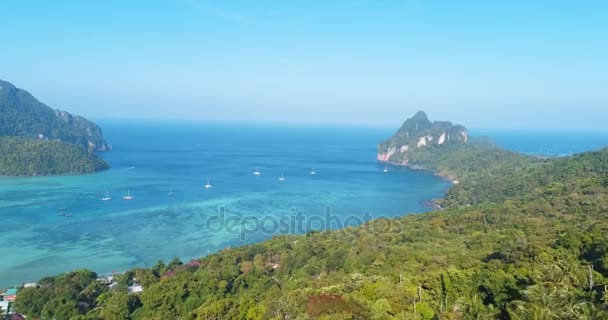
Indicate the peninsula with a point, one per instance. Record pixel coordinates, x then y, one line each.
37 140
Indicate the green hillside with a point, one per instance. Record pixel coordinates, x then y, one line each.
35 139
22 156
23 115
520 238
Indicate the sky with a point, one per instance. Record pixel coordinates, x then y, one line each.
485 64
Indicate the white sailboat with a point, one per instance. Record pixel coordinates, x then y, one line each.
170 194
281 178
313 172
385 169
256 172
208 185
107 197
128 196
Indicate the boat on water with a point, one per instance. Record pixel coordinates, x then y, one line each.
63 209
208 185
282 178
107 197
257 172
68 215
128 196
170 194
385 169
313 172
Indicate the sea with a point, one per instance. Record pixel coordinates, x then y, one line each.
54 224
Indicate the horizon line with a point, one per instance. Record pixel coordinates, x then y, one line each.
343 124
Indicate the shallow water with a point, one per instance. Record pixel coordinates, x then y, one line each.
152 158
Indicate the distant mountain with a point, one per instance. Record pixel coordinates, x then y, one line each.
23 115
419 133
37 140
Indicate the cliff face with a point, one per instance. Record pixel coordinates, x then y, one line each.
23 115
92 132
418 133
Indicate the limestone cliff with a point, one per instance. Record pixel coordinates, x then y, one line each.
418 133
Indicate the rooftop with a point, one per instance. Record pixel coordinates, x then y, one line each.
10 292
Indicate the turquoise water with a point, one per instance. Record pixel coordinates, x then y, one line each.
150 158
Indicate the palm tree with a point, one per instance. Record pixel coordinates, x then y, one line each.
554 297
474 309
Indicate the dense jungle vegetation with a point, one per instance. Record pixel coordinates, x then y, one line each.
23 156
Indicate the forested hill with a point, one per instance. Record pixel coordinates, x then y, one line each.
538 251
23 115
37 140
23 156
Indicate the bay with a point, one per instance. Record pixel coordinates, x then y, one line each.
152 158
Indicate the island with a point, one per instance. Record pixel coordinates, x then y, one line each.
517 237
37 140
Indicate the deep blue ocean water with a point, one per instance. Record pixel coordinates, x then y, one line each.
546 142
152 158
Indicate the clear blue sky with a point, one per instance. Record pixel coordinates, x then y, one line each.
482 63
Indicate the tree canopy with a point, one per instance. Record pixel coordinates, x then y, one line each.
23 156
